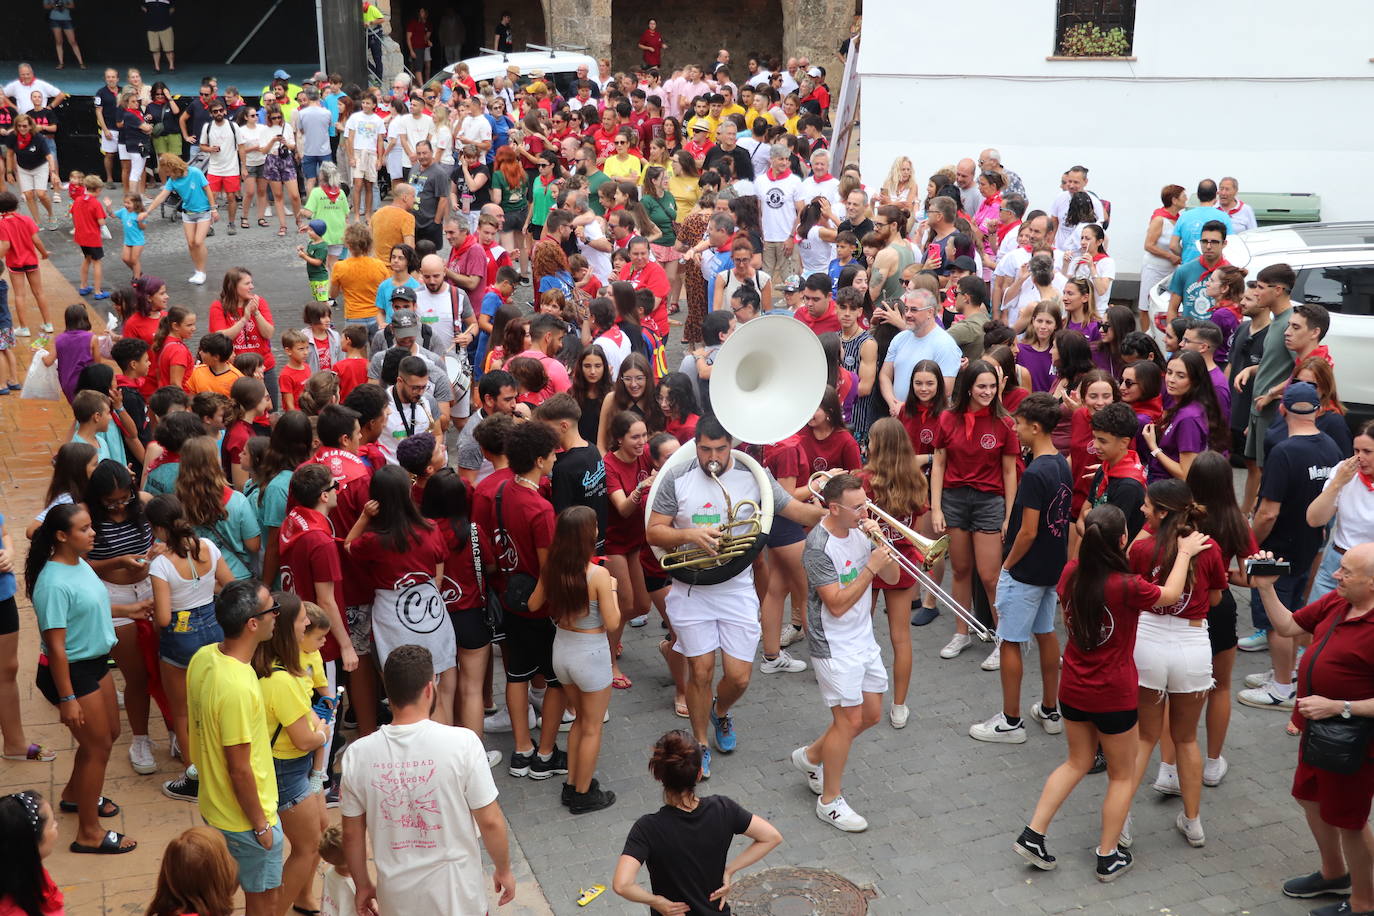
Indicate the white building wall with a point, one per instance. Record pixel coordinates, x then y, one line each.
1251 88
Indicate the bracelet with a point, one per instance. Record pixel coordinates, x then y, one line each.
66 698
262 831
1155 452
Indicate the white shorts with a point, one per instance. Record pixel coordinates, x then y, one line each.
844 681
366 169
129 594
137 163
736 638
1173 655
34 179
111 145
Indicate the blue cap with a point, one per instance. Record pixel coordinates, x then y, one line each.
1301 398
281 75
317 226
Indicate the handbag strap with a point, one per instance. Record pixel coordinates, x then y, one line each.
500 518
477 559
1312 659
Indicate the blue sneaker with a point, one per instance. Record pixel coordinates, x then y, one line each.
85 290
705 763
725 731
103 294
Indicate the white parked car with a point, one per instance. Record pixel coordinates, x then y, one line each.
1334 263
559 66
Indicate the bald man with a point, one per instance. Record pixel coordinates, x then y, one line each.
444 308
394 224
966 178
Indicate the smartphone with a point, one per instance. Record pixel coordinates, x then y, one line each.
1267 567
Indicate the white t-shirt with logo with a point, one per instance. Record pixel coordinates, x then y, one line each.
418 785
598 261
815 253
418 417
778 200
224 163
364 129
831 560
437 311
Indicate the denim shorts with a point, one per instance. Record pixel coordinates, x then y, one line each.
1326 573
1023 610
310 165
201 217
188 631
259 869
293 780
973 510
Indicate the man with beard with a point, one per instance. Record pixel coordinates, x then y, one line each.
885 276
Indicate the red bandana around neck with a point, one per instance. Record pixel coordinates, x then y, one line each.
1366 480
1163 213
778 176
971 417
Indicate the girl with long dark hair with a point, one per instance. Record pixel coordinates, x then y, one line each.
971 490
288 448
400 554
633 391
76 634
28 832
677 398
920 416
1015 379
591 383
1103 604
1116 325
1192 425
72 468
1072 358
214 509
826 443
1137 346
581 600
1035 350
629 475
1080 307
1173 655
172 359
1141 385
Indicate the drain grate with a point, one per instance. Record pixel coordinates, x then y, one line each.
798 892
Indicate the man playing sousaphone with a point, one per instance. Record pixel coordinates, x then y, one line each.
691 510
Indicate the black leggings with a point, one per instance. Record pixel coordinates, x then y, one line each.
1108 723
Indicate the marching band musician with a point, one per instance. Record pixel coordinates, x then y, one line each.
689 510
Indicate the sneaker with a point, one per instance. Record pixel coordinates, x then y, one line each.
1257 641
569 793
1166 782
173 748
1338 909
1266 698
1260 679
924 616
569 717
705 763
85 290
839 815
268 212
1031 847
556 765
1099 763
997 731
520 763
183 788
349 720
1111 867
1214 771
1127 837
790 634
957 643
493 758
898 714
636 622
500 722
103 294
21 332
594 799
232 230
331 796
725 731
197 278
1052 723
1191 830
1314 885
141 755
994 660
784 663
815 772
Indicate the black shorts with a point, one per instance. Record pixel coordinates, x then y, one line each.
94 252
514 220
528 649
9 616
86 676
1108 723
470 626
25 269
536 231
654 582
1221 623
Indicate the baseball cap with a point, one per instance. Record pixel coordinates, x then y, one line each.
815 71
404 322
1301 398
281 75
965 263
792 284
317 226
404 293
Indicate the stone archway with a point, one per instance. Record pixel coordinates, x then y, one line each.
695 31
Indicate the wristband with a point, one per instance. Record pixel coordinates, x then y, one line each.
1155 452
66 698
258 833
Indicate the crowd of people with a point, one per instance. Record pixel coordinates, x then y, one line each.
982 386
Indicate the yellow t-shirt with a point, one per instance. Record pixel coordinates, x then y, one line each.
753 115
685 191
629 169
390 226
225 708
735 109
313 663
791 124
202 379
358 279
286 698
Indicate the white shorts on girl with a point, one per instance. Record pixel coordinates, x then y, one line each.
1173 655
129 594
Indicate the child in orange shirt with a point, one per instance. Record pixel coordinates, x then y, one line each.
296 372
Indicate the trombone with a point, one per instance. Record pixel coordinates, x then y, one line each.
930 552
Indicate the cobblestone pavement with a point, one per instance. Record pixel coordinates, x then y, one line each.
943 808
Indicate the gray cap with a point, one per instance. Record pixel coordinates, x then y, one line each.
404 322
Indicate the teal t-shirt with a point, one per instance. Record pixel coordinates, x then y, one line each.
102 445
163 478
8 586
384 291
73 598
271 508
229 533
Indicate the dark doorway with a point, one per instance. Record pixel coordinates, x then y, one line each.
696 31
459 28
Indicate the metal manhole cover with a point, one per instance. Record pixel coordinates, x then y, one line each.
797 892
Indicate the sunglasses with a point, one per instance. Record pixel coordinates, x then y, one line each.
274 610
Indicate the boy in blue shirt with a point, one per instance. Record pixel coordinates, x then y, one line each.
846 244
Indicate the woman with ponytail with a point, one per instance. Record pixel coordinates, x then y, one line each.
685 843
1098 696
149 300
1173 655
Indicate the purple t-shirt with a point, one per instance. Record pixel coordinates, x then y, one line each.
73 350
1222 387
1228 322
1039 363
1186 433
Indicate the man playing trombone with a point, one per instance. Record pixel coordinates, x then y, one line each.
694 511
842 567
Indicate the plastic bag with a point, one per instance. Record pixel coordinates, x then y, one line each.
41 383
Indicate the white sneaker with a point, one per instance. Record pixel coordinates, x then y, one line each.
268 212
838 814
957 643
1191 830
119 694
1214 771
141 755
21 332
1126 838
1166 782
500 721
994 660
791 633
1053 724
197 278
997 731
1268 697
493 759
898 714
783 663
815 772
569 717
639 621
1260 679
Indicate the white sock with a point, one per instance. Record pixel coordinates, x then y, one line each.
1281 690
1213 762
1192 821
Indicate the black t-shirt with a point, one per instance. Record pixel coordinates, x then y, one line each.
107 103
590 424
579 479
460 186
504 42
431 186
863 228
1294 474
200 116
686 851
1128 495
1046 486
1246 349
1331 423
744 166
131 135
157 15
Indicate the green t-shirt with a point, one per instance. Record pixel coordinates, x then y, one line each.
73 598
334 213
513 200
229 533
319 250
541 201
271 509
595 180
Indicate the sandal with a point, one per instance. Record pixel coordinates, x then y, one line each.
111 811
262 222
619 650
680 710
110 845
243 222
1292 730
621 682
281 231
36 752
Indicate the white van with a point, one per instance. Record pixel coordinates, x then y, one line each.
558 66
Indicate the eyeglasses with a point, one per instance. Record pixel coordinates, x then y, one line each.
116 505
274 610
334 485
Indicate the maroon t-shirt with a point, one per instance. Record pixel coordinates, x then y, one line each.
785 459
1341 669
838 450
1104 678
975 460
625 533
378 564
459 587
920 429
528 525
1209 573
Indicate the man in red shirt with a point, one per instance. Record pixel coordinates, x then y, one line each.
817 310
605 136
646 274
652 44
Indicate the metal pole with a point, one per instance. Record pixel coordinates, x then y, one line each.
261 23
319 32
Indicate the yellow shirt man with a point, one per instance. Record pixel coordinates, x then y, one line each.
225 709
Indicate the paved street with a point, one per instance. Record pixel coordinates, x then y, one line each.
943 808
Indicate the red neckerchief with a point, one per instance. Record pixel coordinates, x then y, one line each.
123 381
165 458
22 141
1151 407
971 417
1239 203
1163 213
1003 229
1102 254
1226 305
1366 480
814 177
1207 271
1128 467
332 194
1027 247
547 181
300 521
780 175
134 111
